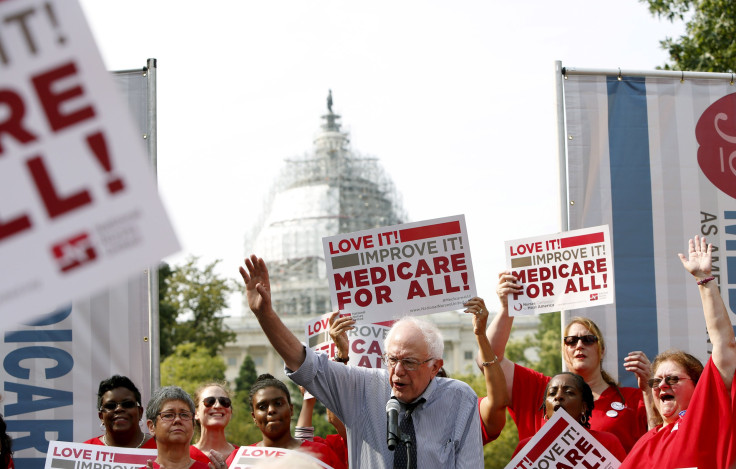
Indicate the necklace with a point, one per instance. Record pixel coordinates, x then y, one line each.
143 440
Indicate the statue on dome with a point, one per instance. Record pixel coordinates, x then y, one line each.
329 101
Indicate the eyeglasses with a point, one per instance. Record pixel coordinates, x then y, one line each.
408 363
111 406
572 340
210 401
171 416
670 380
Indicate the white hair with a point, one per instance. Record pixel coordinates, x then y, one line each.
430 332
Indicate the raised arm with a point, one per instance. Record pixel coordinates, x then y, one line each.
720 330
339 327
638 363
500 329
258 293
493 406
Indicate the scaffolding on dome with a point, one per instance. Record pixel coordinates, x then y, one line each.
329 191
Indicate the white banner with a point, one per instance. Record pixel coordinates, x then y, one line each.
416 268
78 205
654 159
561 271
249 456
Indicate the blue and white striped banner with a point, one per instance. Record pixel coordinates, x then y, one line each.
634 163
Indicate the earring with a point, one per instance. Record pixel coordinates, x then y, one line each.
102 425
584 419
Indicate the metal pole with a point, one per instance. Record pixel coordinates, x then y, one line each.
674 74
152 139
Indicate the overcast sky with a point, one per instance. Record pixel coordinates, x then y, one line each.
456 99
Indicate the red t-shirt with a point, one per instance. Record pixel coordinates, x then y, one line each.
317 450
195 465
626 420
608 440
704 437
337 444
150 444
197 454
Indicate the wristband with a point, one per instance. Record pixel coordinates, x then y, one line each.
705 280
340 359
495 360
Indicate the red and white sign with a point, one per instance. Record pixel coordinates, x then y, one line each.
561 271
412 269
562 443
78 202
65 454
249 456
366 340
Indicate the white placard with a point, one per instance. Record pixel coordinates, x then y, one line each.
63 454
412 269
249 456
561 271
78 203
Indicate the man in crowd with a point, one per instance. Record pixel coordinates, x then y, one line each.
439 416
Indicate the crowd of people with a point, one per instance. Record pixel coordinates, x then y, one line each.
681 414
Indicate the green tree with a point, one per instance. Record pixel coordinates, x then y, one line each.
192 300
191 365
246 376
710 25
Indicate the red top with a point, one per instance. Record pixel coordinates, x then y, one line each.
317 450
608 440
197 454
195 465
704 437
337 444
11 465
626 420
150 444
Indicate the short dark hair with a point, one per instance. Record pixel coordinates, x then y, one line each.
584 389
267 381
117 381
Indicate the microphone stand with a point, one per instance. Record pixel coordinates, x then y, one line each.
407 441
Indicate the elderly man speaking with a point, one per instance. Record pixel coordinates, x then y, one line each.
439 417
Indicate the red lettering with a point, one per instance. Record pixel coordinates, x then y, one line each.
52 101
12 124
55 204
440 265
358 346
383 294
458 262
14 226
343 298
415 290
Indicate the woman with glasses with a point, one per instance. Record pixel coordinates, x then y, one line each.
170 419
120 411
271 409
697 405
618 410
570 392
213 413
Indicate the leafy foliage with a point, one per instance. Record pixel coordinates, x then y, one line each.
191 365
191 301
246 376
708 45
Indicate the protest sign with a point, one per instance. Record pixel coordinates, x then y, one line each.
366 340
78 203
561 271
249 456
562 443
65 455
415 269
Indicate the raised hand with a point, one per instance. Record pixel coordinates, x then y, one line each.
339 327
507 285
257 286
698 261
477 307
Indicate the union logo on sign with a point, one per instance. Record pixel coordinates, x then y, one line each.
74 252
593 296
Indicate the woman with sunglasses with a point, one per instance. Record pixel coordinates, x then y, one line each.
120 411
618 410
570 392
214 411
271 409
697 405
170 419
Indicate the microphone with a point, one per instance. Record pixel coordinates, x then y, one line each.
392 422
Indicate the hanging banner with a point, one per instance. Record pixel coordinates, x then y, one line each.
563 443
412 269
655 159
561 271
78 204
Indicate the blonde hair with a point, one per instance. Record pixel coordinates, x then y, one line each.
601 344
